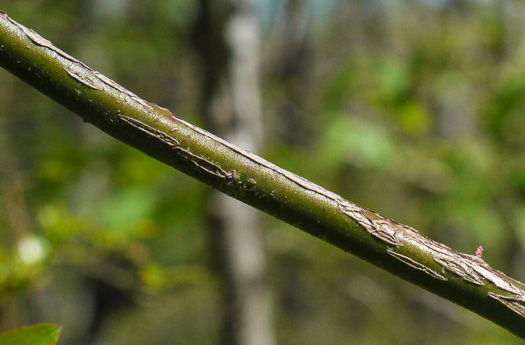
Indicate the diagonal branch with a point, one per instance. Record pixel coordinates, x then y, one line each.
461 278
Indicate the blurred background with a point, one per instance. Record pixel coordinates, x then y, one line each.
414 109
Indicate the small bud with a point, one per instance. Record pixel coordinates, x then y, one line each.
479 252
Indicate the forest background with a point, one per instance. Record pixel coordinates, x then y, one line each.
410 108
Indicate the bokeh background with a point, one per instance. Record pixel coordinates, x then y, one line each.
414 109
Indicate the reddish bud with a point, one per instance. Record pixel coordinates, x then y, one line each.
479 251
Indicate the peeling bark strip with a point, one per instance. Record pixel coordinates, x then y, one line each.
200 162
464 279
77 69
82 75
418 266
517 304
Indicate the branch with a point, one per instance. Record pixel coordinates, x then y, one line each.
466 280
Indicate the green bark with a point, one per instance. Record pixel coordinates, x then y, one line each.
461 278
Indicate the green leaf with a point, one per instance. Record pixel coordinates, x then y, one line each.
42 334
357 142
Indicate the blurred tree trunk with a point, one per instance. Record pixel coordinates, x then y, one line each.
227 39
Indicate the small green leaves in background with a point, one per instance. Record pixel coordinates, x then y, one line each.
42 334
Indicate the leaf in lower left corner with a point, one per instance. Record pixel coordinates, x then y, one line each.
42 334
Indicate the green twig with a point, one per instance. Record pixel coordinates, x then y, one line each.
461 278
